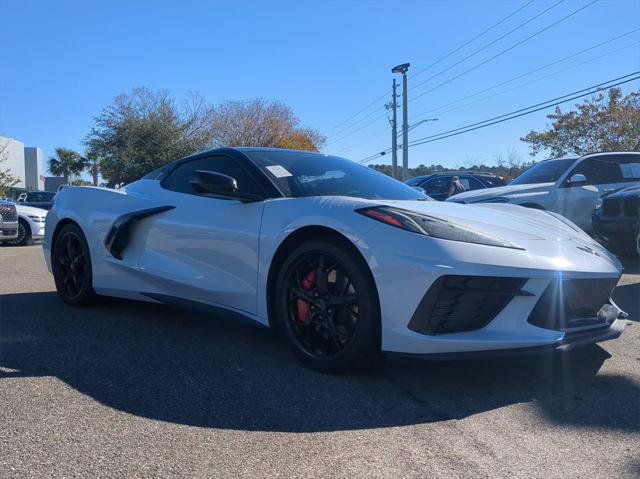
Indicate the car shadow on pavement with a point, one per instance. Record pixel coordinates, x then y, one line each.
190 368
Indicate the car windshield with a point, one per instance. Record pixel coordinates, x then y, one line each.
544 172
40 196
301 174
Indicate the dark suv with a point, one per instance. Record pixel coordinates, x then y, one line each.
616 221
437 185
37 199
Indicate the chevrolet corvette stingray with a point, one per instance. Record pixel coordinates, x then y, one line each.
341 260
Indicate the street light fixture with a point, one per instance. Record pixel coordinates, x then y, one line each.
402 69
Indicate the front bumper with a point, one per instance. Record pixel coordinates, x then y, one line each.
8 230
569 342
37 230
405 273
619 227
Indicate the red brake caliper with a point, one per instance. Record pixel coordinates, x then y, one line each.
308 283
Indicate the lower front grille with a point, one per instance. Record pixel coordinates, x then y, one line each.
572 303
8 213
457 303
611 207
631 206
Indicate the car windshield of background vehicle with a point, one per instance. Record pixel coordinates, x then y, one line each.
544 172
300 174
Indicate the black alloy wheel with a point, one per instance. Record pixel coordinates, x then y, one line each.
71 264
327 308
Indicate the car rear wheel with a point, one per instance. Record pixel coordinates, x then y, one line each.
637 241
24 235
71 264
327 308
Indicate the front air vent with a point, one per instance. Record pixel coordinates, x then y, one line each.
456 303
570 303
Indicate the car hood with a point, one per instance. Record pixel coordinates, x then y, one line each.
30 210
509 222
509 191
627 192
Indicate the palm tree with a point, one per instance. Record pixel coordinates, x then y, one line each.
93 166
66 162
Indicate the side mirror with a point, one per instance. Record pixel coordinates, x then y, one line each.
219 185
577 179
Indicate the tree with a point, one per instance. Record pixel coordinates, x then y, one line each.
66 162
144 130
604 123
7 179
93 166
260 122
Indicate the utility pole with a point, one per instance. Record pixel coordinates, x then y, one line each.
394 133
405 119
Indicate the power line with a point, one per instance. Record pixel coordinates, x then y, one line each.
369 105
360 111
472 40
518 113
588 91
590 60
487 45
530 72
539 32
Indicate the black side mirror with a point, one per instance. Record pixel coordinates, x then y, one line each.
220 186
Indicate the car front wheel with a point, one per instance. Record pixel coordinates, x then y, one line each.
24 235
327 307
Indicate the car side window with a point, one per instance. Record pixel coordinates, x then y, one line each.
438 185
630 167
473 184
178 180
599 170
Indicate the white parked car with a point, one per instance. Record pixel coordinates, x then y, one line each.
571 187
344 261
31 223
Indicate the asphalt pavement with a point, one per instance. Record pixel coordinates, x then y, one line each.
128 389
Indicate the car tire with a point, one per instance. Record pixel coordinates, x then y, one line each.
71 265
327 308
24 235
637 240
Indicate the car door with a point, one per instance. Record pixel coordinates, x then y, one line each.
206 248
580 190
438 187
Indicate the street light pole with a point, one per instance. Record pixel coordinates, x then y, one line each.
394 133
405 119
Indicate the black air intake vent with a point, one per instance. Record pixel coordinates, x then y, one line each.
463 303
571 303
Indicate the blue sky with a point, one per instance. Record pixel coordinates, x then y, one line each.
64 61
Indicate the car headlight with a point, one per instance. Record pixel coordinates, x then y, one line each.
431 226
37 219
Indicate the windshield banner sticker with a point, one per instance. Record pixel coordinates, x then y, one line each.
278 171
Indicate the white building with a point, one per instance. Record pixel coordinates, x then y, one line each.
25 163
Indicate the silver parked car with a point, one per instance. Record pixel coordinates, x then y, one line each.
8 221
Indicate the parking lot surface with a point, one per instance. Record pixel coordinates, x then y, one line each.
128 389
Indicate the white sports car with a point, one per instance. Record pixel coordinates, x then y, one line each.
344 261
